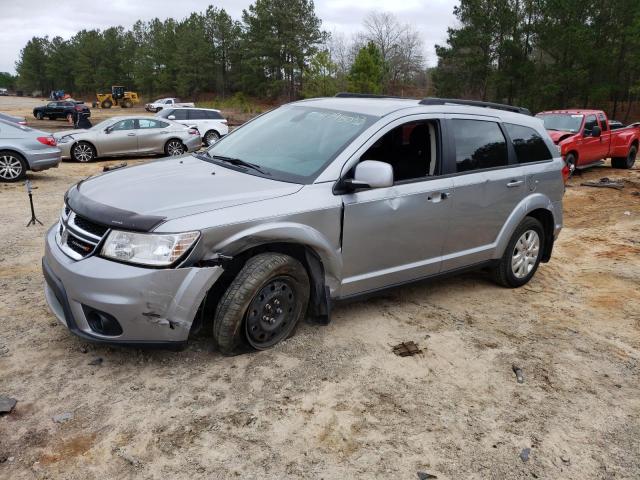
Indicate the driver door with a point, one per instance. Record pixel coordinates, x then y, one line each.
121 139
396 234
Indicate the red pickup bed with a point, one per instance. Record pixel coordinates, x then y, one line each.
586 139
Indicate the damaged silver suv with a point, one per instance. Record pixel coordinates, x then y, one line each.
313 202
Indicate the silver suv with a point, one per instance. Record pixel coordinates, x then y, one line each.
313 202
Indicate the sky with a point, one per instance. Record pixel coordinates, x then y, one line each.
21 20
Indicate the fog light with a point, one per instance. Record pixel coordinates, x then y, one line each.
101 322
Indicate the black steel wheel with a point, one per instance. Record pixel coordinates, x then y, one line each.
625 162
263 304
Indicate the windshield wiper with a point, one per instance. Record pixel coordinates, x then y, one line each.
238 162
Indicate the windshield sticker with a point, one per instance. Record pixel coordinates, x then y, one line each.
338 117
577 116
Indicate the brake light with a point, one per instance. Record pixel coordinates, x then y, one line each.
193 131
47 141
566 173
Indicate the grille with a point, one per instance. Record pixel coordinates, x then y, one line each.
89 226
77 236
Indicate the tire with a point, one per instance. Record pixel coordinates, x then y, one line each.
263 304
83 152
107 104
211 137
626 162
158 109
511 273
13 166
174 147
39 116
572 162
127 104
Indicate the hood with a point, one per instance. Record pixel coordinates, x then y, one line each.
558 136
175 187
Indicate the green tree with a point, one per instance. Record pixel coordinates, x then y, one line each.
31 68
367 71
320 79
7 80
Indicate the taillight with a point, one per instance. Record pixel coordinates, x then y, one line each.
193 131
47 141
566 173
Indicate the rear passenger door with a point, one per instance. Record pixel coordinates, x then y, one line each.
488 184
152 135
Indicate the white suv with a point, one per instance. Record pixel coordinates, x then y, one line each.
209 122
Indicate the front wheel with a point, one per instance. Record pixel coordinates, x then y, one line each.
174 147
263 304
625 162
83 152
12 167
522 255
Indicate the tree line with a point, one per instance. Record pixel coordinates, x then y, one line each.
277 50
544 54
535 53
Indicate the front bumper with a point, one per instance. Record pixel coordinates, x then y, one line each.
43 159
153 306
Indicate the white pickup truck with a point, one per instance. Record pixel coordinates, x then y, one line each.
161 103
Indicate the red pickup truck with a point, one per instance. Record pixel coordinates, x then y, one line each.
585 138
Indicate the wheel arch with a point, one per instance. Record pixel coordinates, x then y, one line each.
537 206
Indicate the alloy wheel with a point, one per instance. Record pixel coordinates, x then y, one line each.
83 152
211 138
525 254
270 316
10 167
175 148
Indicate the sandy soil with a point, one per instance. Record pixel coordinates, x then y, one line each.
334 402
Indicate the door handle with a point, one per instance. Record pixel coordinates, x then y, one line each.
131 134
436 197
515 183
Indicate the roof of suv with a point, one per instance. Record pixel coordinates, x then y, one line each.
382 106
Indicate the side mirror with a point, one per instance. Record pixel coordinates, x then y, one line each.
108 129
596 132
171 117
371 174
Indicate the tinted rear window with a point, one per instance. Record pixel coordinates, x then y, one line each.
479 145
528 144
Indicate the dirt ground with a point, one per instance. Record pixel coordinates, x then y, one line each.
334 402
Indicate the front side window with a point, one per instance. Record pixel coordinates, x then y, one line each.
410 149
479 145
124 125
603 122
589 123
528 144
293 143
180 114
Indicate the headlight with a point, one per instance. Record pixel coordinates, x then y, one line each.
153 249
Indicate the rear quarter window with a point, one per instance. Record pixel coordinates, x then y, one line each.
214 115
528 144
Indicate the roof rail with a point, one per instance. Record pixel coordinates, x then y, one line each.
474 103
368 95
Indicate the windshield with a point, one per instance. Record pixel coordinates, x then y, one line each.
564 122
293 143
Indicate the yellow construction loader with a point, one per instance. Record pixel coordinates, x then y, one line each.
117 96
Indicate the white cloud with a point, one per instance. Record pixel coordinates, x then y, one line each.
19 21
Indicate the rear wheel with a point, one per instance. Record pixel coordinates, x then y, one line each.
174 147
127 104
83 152
39 116
626 162
263 304
211 137
107 104
522 255
13 167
